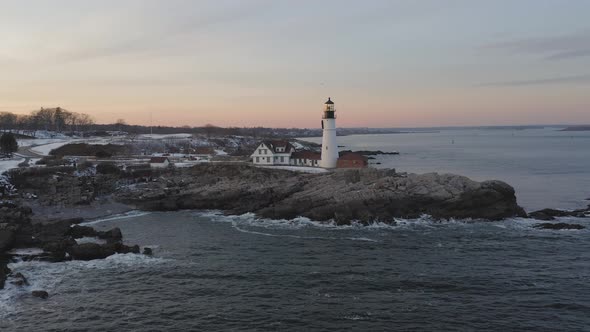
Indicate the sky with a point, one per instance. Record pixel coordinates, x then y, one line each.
275 62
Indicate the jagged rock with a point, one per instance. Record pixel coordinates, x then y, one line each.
113 235
147 251
550 214
78 231
558 226
6 239
20 280
4 271
40 294
343 195
90 251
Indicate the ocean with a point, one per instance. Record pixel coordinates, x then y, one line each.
548 168
212 272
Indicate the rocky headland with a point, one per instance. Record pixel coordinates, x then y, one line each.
34 206
364 195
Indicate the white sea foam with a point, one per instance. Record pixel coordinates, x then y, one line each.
88 239
25 251
248 221
130 214
47 276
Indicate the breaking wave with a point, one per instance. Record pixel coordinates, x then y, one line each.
47 276
130 214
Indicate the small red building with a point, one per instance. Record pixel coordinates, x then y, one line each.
352 160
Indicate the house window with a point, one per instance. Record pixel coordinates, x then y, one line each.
268 159
260 151
282 159
257 159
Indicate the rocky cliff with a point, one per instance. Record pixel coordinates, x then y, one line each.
363 195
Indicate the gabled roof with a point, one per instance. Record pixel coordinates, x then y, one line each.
274 144
306 155
158 160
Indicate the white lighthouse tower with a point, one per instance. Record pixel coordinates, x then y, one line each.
329 145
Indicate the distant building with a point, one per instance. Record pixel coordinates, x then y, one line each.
273 153
159 162
204 153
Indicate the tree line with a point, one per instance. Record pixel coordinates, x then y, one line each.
55 119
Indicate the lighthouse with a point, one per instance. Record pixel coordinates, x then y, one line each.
329 146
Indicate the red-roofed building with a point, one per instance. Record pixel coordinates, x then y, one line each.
352 160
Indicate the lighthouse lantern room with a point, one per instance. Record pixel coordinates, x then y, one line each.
329 145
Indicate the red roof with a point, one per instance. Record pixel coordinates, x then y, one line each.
352 156
158 160
306 155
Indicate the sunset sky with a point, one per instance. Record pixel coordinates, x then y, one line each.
274 63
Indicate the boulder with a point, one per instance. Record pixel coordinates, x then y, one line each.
4 271
90 251
558 226
147 251
7 237
78 231
19 280
40 294
113 235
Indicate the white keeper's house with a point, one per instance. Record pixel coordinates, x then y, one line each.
273 153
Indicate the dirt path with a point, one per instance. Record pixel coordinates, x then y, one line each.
26 151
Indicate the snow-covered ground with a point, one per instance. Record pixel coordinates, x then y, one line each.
302 169
44 146
5 165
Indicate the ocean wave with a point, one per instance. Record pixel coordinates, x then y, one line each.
236 227
47 276
423 223
130 214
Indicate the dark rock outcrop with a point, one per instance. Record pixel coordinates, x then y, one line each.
113 235
343 195
147 251
20 280
558 226
91 251
40 294
550 214
78 232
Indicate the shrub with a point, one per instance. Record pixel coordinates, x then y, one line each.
107 168
102 154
